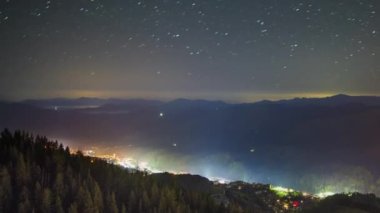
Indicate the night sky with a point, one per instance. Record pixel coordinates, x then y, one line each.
240 50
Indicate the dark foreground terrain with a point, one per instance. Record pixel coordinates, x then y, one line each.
38 175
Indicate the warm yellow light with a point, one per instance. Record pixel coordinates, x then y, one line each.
286 206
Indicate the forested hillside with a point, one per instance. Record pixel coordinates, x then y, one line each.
38 175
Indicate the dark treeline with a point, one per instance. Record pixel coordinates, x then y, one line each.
38 175
347 203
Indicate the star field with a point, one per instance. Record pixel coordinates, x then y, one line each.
240 49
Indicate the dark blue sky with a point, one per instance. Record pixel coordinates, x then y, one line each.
222 49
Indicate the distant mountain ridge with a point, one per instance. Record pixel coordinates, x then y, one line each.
339 99
335 100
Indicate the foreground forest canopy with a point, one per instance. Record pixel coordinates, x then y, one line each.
38 175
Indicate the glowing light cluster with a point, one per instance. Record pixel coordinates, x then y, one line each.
219 180
325 194
281 189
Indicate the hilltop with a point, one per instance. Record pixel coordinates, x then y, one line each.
41 175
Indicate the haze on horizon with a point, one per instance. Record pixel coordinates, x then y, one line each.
242 97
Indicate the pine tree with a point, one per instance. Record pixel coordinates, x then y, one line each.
84 200
111 203
21 171
145 201
46 200
24 205
73 208
123 208
38 197
5 190
58 187
97 197
155 194
132 202
58 205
